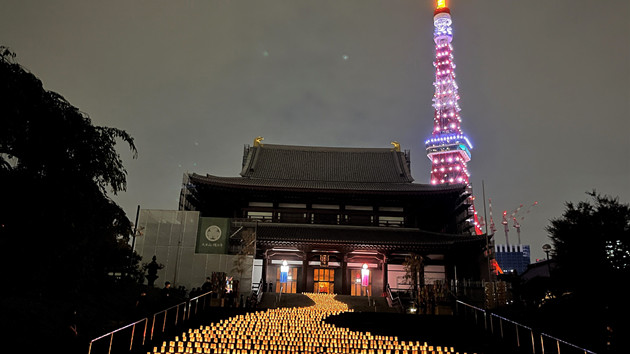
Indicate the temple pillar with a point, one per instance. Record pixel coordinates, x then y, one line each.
264 272
344 277
385 280
305 271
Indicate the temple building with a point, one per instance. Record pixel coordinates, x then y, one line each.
333 219
320 216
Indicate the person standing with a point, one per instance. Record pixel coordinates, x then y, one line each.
167 293
206 287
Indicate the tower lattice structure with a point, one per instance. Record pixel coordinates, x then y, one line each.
448 148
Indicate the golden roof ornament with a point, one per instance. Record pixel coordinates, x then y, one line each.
396 145
258 141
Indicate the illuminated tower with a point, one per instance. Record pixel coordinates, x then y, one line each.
448 148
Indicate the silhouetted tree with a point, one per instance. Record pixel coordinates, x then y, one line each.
591 244
59 230
414 272
592 251
247 250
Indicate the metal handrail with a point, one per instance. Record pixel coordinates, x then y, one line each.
187 312
279 297
488 316
558 341
259 296
111 335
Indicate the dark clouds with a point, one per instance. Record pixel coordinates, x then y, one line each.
544 86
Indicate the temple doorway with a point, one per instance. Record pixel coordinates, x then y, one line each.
324 280
356 289
291 285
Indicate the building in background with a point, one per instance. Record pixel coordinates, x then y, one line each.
512 258
191 248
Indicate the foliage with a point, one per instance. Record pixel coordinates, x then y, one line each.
414 272
592 252
60 233
247 250
592 245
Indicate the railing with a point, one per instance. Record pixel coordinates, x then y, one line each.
394 301
259 295
257 292
279 297
525 338
135 334
121 331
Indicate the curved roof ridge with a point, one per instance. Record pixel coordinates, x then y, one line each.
324 148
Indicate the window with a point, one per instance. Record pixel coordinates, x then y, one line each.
395 221
260 215
327 219
292 217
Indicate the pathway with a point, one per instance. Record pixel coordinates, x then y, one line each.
292 330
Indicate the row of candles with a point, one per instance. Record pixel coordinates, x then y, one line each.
291 330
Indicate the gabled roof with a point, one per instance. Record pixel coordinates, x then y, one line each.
326 164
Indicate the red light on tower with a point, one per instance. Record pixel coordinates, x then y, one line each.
441 7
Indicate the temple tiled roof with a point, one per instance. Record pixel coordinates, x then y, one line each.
275 234
326 164
240 182
308 168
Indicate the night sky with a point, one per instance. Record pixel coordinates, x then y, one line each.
544 86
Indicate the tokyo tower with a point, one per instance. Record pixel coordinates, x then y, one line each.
447 148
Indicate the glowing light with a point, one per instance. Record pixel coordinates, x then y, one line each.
441 4
284 272
289 330
365 275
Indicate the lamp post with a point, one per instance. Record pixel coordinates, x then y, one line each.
284 274
365 279
546 248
